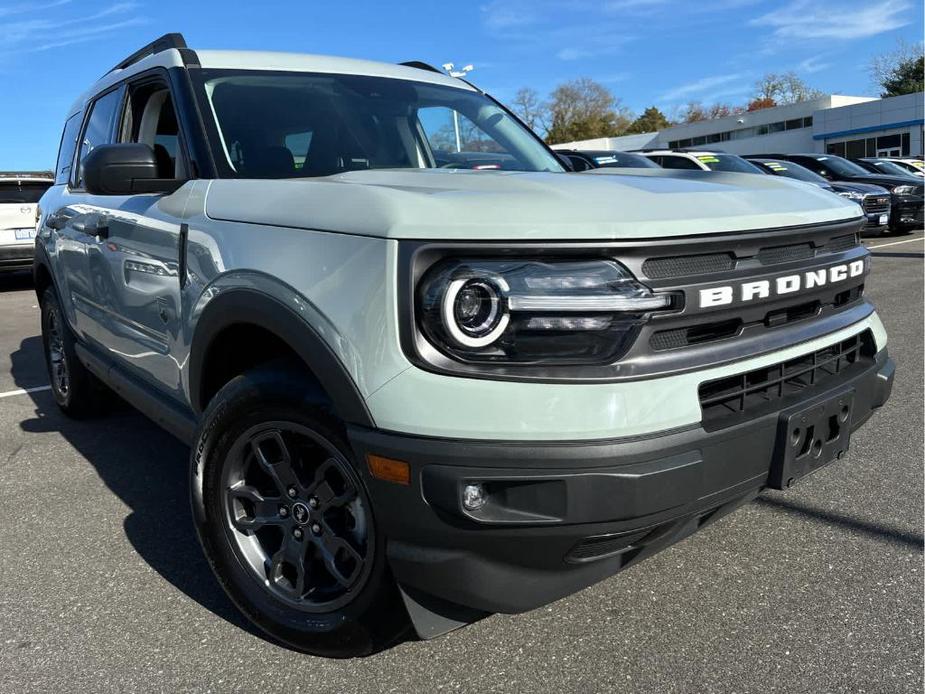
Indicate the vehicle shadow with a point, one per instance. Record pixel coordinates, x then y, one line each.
15 281
148 470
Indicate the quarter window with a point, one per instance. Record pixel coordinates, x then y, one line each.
99 129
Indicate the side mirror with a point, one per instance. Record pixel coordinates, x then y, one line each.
124 169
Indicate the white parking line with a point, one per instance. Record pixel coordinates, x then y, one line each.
24 391
896 243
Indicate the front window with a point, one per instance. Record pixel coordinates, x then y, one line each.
291 124
727 162
21 192
842 167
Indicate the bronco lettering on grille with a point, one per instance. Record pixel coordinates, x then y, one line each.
778 286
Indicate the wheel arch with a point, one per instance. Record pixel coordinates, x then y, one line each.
234 309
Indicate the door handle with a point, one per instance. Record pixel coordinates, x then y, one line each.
97 228
56 221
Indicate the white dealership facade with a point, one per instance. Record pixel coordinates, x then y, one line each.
852 126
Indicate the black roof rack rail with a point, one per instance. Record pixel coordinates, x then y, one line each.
165 42
420 65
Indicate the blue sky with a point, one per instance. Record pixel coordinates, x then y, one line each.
662 52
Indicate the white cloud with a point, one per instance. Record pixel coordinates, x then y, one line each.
812 64
704 85
40 31
828 19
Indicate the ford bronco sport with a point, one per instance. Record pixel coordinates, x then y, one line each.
418 394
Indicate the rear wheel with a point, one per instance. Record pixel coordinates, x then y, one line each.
78 392
286 522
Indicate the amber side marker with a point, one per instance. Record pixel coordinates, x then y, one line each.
390 470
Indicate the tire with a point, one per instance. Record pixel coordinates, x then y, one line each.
263 434
78 393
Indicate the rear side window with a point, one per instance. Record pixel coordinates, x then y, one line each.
14 191
66 150
99 130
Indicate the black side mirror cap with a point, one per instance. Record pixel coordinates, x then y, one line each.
124 169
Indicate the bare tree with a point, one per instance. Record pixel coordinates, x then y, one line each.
784 88
530 109
899 71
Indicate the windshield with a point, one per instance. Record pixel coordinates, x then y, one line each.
292 124
622 160
892 169
16 192
791 170
727 162
842 167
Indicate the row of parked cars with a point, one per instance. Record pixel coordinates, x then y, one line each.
889 189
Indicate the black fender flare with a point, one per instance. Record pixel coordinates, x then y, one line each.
237 306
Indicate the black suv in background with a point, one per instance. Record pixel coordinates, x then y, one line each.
906 194
583 160
874 200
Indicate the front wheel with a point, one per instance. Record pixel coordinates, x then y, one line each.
285 520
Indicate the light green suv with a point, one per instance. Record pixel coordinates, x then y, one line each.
427 374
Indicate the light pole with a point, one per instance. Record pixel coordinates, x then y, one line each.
449 68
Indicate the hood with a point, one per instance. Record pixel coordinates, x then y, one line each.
888 182
496 205
866 188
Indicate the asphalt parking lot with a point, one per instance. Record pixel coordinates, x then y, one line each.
103 586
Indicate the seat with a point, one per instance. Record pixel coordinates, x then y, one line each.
269 162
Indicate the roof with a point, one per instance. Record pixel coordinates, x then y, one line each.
268 60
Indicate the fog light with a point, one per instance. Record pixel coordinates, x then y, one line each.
473 497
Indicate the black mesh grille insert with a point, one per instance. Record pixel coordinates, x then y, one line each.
842 243
783 254
683 266
696 334
752 392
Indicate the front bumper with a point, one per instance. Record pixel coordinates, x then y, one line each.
570 513
17 257
906 213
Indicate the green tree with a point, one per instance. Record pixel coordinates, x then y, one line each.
582 109
651 120
899 71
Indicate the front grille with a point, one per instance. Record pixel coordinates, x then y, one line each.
685 266
695 334
785 254
874 203
754 392
710 263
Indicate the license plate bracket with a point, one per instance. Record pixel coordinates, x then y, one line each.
25 234
810 437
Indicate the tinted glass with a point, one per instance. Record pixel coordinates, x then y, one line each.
350 122
623 160
791 170
66 149
727 162
12 192
841 167
889 168
99 128
669 162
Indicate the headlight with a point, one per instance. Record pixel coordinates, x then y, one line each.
907 190
853 195
533 312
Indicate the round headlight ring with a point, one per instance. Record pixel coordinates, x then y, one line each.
491 318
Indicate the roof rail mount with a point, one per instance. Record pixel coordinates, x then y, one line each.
164 43
420 65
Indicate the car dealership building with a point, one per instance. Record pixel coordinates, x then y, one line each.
852 126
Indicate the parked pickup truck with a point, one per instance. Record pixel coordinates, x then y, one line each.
418 394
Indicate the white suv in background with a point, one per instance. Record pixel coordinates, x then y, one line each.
19 194
694 159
